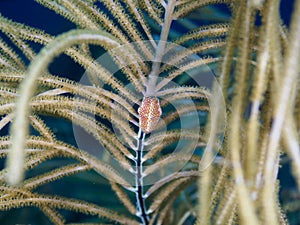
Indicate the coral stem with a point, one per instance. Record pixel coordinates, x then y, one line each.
139 180
19 128
160 49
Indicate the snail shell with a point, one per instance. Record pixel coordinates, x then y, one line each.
149 113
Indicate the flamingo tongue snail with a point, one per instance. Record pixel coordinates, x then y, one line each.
149 113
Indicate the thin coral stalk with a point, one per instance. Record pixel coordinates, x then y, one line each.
153 76
291 71
19 130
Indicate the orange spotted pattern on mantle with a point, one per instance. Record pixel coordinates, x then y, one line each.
149 113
